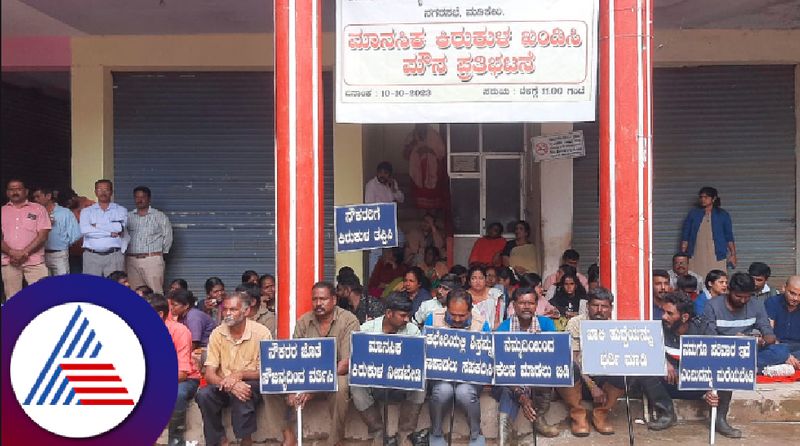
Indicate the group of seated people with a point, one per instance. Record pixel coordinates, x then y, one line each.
218 339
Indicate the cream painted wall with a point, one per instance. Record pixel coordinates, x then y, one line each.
555 178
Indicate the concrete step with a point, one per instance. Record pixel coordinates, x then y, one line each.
773 408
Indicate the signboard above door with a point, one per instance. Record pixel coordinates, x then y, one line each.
405 61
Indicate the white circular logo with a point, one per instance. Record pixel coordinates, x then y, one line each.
77 370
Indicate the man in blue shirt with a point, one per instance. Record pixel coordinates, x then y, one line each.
103 226
534 401
65 232
785 318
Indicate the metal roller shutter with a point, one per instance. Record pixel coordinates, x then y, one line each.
733 128
586 198
730 127
204 143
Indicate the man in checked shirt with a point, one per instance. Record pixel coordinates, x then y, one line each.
151 238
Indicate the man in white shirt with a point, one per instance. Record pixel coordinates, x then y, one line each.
381 189
103 228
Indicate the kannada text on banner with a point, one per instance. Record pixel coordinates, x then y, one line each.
298 365
365 226
623 348
533 359
459 355
717 362
387 361
476 63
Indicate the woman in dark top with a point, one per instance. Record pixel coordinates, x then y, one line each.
707 234
569 294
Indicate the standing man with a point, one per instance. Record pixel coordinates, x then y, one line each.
151 238
395 320
381 189
103 228
534 401
188 375
328 320
232 373
76 204
605 390
65 231
456 314
680 268
25 228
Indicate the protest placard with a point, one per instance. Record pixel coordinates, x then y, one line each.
298 365
718 363
459 355
360 227
532 359
387 361
623 348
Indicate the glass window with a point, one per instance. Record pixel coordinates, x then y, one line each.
465 194
464 138
503 188
503 137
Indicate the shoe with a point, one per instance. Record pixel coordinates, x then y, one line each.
666 416
722 425
372 418
419 438
542 405
600 414
437 440
572 398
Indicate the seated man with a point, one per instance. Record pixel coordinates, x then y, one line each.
760 273
456 314
327 320
182 304
394 321
680 268
688 285
605 390
535 401
785 318
351 297
446 284
188 375
680 319
660 288
232 372
738 314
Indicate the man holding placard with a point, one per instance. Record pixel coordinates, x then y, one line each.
232 372
456 314
327 320
605 390
737 314
535 402
394 321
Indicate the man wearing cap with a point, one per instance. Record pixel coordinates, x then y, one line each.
103 228
25 227
395 320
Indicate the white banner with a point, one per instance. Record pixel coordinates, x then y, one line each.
405 61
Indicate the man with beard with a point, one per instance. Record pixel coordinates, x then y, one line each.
232 373
661 287
395 320
738 314
328 320
265 313
351 297
534 401
457 313
680 268
605 390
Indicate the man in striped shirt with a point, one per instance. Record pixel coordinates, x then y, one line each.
151 238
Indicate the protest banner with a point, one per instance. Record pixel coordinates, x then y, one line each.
459 355
387 361
532 359
298 365
717 363
623 348
466 61
359 227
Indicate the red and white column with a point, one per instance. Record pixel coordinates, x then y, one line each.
626 154
298 157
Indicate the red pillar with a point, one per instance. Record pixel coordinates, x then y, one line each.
625 154
298 157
